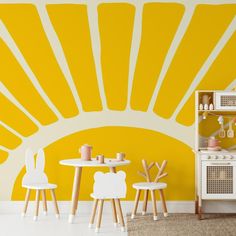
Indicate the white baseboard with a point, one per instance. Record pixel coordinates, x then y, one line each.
85 207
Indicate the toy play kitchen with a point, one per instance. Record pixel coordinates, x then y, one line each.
215 154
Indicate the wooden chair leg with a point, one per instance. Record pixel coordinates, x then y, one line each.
55 203
145 201
154 205
45 208
37 205
114 213
95 204
99 219
120 214
27 197
163 202
136 203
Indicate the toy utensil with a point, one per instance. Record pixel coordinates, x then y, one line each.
230 132
222 131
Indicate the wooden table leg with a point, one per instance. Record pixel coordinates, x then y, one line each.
145 201
75 193
113 170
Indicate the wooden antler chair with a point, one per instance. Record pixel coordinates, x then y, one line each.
151 186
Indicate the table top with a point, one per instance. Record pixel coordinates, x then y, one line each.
108 162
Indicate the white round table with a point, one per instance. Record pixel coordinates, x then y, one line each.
78 164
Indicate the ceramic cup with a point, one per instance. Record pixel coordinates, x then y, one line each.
100 159
120 156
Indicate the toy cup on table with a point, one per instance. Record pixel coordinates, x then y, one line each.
120 156
86 151
100 159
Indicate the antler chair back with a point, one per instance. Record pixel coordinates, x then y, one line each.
151 186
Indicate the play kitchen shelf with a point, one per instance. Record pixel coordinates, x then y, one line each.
215 155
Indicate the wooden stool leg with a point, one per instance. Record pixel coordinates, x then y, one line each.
55 203
145 201
113 206
45 208
27 196
99 219
120 214
95 204
154 204
163 202
136 203
37 205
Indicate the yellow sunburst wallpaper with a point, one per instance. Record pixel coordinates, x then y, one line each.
119 76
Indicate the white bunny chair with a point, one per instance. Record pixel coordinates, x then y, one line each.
36 179
108 186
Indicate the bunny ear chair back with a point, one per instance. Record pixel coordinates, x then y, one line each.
29 160
40 161
36 180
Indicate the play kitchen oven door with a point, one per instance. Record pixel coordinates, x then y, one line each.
219 179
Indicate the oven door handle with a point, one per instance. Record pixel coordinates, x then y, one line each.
221 164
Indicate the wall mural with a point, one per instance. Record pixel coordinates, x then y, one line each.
119 75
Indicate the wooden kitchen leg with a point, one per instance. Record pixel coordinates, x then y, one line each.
199 209
75 193
196 205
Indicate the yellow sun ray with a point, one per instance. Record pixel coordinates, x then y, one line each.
19 84
23 23
7 139
15 118
221 73
77 48
3 156
155 41
116 26
192 53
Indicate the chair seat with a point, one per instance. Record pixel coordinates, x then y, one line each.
149 186
103 197
40 186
